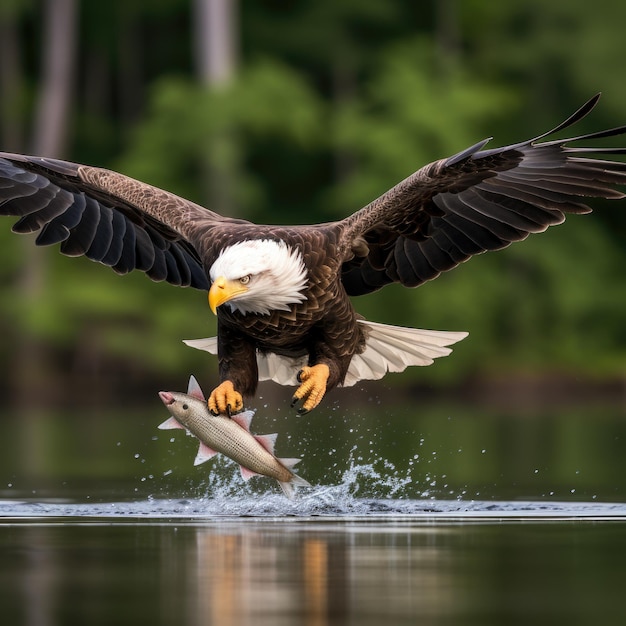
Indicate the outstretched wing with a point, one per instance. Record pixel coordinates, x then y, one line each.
105 216
475 201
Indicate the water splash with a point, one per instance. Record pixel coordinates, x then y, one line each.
364 491
363 487
321 503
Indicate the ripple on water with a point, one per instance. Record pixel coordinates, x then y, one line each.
366 492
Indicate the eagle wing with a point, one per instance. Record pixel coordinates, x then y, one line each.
475 201
107 217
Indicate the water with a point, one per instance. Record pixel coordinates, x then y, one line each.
188 562
449 516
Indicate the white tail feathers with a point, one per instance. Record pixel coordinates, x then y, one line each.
209 344
394 348
388 349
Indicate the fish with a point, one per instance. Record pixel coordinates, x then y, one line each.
230 436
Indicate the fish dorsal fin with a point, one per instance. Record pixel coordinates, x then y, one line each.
246 473
204 454
267 441
244 419
289 463
171 423
194 389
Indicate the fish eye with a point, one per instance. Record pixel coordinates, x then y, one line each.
244 280
185 407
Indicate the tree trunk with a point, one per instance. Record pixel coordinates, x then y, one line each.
447 34
34 377
215 54
58 60
11 81
216 41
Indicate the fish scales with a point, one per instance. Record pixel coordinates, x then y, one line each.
226 436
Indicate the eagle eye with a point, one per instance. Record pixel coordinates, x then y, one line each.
244 280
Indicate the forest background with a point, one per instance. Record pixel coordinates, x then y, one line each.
299 112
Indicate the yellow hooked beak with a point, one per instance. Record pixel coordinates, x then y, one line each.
223 290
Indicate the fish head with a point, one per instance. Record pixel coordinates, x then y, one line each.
184 407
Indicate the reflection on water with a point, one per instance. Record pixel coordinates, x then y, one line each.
312 572
319 578
438 516
250 578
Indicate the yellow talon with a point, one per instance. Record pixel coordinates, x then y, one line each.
312 388
224 400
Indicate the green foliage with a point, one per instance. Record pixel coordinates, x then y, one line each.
267 104
409 114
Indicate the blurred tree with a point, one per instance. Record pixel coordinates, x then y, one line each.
329 104
32 373
12 81
216 47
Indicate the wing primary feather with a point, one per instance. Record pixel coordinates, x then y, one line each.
117 242
81 236
102 236
144 250
575 117
467 153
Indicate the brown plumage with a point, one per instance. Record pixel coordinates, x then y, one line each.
437 218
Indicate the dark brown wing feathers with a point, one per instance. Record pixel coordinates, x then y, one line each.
475 201
58 200
446 212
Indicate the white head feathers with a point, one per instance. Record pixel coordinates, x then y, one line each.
277 275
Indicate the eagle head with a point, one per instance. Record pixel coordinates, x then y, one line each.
257 276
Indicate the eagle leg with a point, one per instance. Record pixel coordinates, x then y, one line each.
224 400
312 388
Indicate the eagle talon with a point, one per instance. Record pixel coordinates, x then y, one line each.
300 410
224 400
312 387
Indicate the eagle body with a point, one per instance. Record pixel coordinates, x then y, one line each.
282 293
322 327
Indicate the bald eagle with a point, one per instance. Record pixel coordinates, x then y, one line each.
282 293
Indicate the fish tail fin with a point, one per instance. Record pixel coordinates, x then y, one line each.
289 487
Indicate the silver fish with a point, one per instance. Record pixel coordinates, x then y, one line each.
230 436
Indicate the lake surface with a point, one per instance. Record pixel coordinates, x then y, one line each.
445 516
